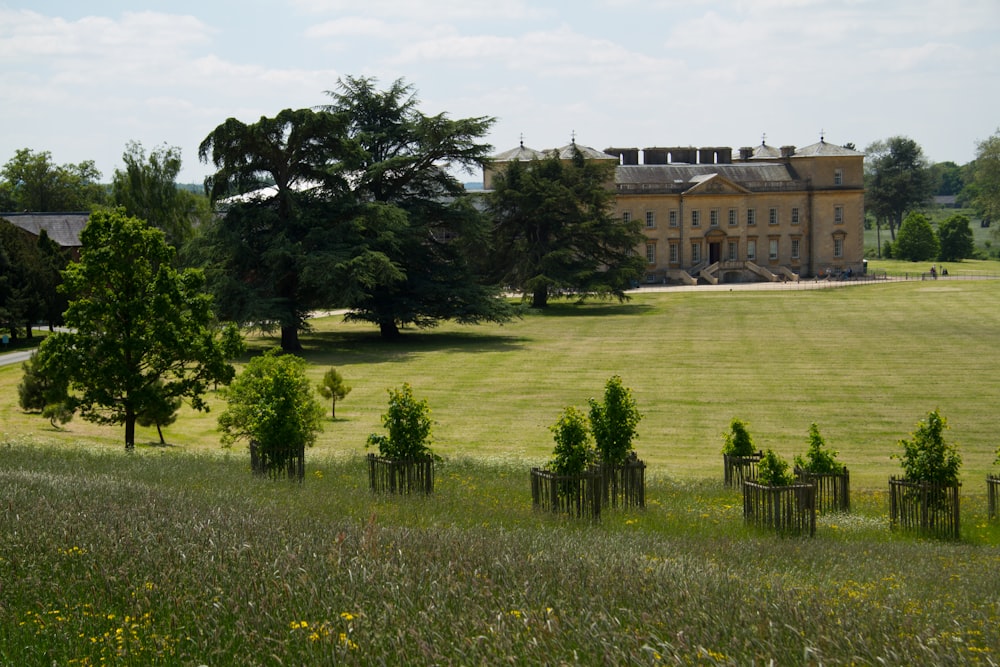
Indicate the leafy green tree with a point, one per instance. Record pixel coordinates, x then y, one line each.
415 214
271 404
554 231
29 278
772 470
955 237
613 422
819 459
897 180
986 178
917 241
147 188
159 412
276 252
139 330
47 393
926 457
737 441
409 424
574 451
948 178
33 183
333 388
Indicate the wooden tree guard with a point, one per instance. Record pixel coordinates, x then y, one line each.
400 475
993 495
925 507
278 462
833 490
576 495
739 469
787 509
624 484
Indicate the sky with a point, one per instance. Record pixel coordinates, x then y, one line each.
82 79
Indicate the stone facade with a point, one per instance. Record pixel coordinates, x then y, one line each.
711 216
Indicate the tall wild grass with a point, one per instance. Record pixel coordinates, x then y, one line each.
187 559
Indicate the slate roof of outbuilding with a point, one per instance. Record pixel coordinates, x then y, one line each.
63 228
524 154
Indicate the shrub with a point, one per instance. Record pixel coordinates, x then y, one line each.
272 403
573 452
614 422
927 457
819 459
916 239
773 470
409 424
737 440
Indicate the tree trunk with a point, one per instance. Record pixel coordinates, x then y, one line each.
333 409
540 297
160 431
389 330
129 429
290 338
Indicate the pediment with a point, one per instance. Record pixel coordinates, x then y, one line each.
714 184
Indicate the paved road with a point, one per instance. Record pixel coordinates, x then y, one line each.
15 357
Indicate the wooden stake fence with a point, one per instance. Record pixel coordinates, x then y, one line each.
925 507
625 484
833 490
400 476
787 509
993 495
576 495
739 469
276 463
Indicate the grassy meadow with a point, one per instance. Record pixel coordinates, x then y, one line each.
176 555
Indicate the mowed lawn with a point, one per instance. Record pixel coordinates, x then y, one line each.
864 362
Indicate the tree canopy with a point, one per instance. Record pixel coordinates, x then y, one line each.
147 188
986 178
916 241
139 331
29 278
897 179
554 232
272 254
32 182
416 214
271 403
956 240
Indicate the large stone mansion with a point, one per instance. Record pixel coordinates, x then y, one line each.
712 216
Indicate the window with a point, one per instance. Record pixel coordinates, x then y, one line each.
695 253
651 253
695 218
751 216
751 250
795 215
772 249
838 177
772 216
838 215
732 217
713 217
626 217
733 248
650 219
674 254
838 247
673 217
795 248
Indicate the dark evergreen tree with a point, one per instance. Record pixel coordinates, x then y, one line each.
414 212
957 242
554 232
